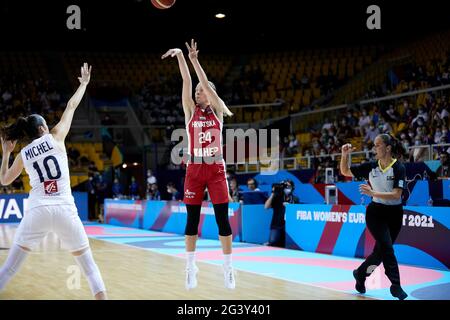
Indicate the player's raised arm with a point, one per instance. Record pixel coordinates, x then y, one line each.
215 100
60 131
9 174
187 101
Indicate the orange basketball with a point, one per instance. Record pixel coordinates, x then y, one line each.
163 4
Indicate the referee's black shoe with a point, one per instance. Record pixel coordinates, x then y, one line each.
359 286
398 292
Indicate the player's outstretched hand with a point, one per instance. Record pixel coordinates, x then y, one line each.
85 74
193 52
8 146
172 53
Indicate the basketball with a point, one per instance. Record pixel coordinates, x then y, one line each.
163 4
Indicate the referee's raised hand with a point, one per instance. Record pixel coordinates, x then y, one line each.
347 149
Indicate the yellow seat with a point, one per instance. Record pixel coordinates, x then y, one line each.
82 179
98 146
401 126
73 181
99 164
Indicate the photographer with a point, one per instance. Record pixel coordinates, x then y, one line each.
282 194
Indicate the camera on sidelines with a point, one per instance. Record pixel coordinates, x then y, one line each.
278 188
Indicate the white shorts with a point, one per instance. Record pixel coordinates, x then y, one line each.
63 220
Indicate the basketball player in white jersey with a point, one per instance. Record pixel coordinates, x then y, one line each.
51 206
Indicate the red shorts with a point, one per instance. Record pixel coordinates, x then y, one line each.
202 175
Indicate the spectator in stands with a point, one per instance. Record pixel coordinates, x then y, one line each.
384 126
252 185
421 118
345 131
405 141
323 138
364 122
134 189
151 179
437 135
282 194
175 195
6 96
445 134
316 146
117 190
411 134
235 191
74 156
444 114
443 148
391 114
292 149
350 119
284 147
418 153
371 133
443 171
102 194
230 175
92 198
407 116
305 82
332 134
92 168
153 192
327 124
332 146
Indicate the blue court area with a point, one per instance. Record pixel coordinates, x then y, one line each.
314 269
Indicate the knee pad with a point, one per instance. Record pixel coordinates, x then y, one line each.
193 219
91 271
223 223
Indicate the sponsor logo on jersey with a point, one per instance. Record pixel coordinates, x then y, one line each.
50 186
401 184
189 194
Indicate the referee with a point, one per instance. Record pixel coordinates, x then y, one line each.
384 214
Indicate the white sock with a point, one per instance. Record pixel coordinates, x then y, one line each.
190 259
91 271
227 260
15 259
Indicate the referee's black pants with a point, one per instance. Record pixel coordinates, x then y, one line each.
384 223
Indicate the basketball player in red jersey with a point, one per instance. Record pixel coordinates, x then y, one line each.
205 167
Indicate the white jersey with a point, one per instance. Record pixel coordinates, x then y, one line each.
46 164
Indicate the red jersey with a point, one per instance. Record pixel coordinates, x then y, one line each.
204 131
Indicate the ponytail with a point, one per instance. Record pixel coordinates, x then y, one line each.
24 129
15 131
397 149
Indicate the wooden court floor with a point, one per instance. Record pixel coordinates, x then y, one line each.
136 274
